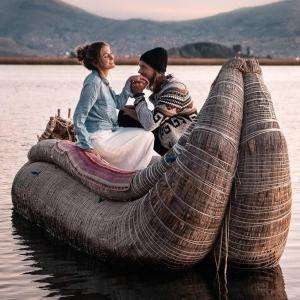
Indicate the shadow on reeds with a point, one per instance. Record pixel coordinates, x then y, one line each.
69 274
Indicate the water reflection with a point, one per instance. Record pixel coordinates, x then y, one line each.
252 285
268 284
71 274
68 274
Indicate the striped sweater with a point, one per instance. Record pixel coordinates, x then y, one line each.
173 111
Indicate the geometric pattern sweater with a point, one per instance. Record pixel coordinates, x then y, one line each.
173 111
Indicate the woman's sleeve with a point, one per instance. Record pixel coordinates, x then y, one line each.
122 98
88 97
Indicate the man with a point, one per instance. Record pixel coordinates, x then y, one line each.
173 109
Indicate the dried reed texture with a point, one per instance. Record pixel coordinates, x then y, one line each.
176 223
260 204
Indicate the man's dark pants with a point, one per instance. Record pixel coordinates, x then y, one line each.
126 121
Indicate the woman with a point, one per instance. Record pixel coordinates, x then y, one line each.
95 117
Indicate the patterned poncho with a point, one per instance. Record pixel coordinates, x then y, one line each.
173 111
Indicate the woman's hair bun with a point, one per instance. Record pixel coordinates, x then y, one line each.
81 52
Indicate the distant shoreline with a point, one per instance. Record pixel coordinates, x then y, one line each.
17 60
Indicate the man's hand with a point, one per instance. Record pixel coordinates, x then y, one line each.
129 106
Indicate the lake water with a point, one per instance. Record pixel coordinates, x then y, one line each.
35 266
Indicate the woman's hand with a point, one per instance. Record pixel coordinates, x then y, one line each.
137 87
138 78
138 83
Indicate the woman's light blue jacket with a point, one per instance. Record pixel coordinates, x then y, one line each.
96 109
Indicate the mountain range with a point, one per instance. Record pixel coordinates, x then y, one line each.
51 27
203 50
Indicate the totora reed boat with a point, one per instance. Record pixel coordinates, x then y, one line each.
224 188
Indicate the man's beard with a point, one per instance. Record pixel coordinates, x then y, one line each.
151 82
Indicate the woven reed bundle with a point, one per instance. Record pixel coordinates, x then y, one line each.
58 128
260 204
178 220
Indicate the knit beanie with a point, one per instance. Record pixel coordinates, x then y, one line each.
156 58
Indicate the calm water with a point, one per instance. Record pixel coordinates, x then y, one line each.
35 266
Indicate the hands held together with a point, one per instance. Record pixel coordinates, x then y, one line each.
138 83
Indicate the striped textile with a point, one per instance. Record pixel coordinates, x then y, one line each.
91 166
94 172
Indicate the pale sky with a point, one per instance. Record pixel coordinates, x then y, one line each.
162 9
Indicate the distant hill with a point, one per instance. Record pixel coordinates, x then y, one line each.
9 47
50 27
203 50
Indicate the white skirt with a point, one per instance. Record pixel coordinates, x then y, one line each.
126 148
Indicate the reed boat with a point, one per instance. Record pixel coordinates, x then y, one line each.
224 188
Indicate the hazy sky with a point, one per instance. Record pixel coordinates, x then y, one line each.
162 9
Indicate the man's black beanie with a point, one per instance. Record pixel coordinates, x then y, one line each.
156 58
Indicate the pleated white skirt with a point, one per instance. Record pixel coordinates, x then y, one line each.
126 148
